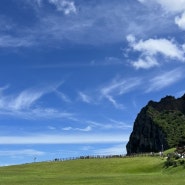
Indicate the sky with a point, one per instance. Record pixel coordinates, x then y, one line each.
75 73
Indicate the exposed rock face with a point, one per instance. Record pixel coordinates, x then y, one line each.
158 126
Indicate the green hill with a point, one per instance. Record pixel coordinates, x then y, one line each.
115 171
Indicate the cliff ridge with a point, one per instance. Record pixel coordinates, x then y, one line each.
158 126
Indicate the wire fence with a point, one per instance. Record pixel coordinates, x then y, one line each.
109 156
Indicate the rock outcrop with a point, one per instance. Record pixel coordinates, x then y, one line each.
158 126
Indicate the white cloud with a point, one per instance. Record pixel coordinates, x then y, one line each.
131 38
145 63
65 6
150 49
163 46
180 21
64 139
166 79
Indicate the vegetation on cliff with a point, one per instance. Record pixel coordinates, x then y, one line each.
159 126
172 122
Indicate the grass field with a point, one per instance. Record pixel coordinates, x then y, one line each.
115 171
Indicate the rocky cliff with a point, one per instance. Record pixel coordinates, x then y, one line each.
158 126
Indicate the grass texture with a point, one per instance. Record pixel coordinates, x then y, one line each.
115 171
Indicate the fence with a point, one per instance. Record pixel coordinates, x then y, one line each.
109 156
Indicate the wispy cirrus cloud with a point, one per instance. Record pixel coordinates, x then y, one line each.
168 5
112 61
166 79
171 6
103 18
64 139
18 153
118 87
23 100
120 124
105 62
46 113
86 129
62 96
110 91
84 97
109 125
15 42
51 128
26 104
113 150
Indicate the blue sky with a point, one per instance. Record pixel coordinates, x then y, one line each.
75 73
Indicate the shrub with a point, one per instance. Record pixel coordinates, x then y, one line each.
182 162
169 162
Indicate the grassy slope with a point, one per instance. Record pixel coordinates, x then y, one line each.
126 171
171 150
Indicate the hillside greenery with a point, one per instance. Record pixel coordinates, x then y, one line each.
115 171
172 123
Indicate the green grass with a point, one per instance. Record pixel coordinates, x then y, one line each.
119 171
171 150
